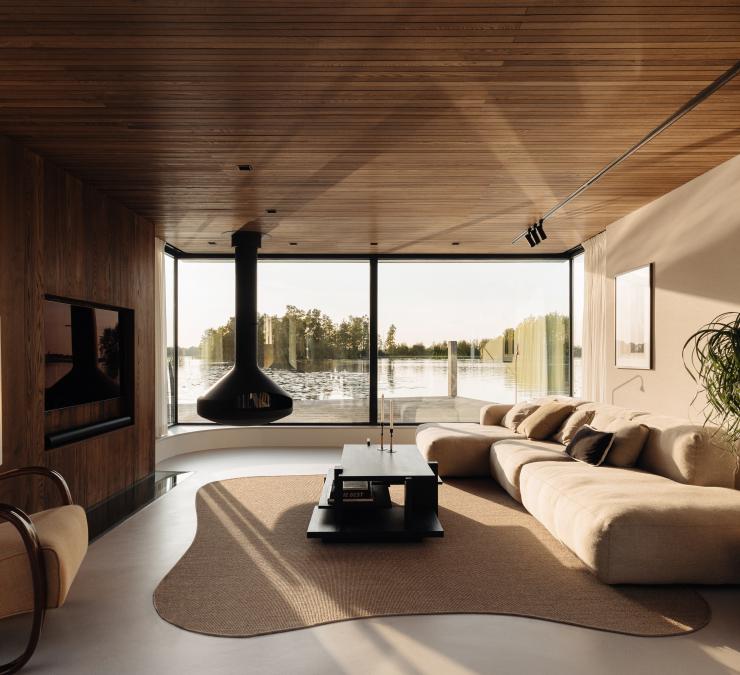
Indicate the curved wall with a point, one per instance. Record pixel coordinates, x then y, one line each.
186 438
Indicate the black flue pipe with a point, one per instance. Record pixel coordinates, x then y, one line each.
245 395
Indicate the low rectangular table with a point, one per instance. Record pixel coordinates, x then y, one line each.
380 520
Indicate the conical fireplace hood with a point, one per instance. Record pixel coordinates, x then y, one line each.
245 395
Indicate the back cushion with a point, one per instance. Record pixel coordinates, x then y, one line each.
518 414
560 398
546 420
629 440
572 424
605 413
684 452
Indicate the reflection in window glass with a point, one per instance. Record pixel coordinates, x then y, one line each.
314 336
578 295
169 285
455 335
205 321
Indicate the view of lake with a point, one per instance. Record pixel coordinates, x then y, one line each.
337 380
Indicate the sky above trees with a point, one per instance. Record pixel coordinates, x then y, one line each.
426 301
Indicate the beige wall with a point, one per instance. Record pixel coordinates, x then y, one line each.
692 235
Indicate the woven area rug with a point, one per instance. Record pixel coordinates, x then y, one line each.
251 570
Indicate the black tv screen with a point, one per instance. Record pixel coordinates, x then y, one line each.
83 353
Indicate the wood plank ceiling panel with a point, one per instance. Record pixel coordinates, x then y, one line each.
412 124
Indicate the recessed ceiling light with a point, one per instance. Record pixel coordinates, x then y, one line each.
456 243
293 243
245 167
373 243
270 210
211 243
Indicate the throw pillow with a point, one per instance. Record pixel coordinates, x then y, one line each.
518 414
602 420
546 420
629 439
590 446
572 424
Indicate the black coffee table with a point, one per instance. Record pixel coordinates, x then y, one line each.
379 520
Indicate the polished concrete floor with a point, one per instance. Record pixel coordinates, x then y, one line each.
109 624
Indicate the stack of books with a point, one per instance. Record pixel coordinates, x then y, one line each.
353 492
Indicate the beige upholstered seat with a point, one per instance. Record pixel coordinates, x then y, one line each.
685 453
62 534
508 458
461 449
633 527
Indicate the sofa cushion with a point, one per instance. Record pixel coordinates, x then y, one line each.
461 448
63 536
604 413
629 440
508 457
572 424
518 414
559 398
491 415
633 527
684 452
546 420
590 445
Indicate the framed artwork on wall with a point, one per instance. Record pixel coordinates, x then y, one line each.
633 321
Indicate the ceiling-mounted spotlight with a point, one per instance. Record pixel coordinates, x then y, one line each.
534 234
539 226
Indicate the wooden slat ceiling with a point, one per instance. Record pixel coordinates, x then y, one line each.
412 124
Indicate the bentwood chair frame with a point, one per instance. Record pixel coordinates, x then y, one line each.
27 531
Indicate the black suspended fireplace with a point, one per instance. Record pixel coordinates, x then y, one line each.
245 395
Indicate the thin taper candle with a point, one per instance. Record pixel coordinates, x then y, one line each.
382 408
391 414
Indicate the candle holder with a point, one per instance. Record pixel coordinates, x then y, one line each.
382 438
391 448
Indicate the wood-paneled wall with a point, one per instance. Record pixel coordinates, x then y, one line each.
62 237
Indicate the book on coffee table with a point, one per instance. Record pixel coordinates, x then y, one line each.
354 491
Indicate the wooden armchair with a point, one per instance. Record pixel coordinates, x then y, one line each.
38 567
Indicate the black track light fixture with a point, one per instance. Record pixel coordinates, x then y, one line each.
534 234
732 72
539 227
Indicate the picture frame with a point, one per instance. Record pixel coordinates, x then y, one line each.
633 318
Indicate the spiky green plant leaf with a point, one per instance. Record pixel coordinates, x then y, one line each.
712 358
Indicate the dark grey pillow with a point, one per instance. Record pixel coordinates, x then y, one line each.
590 446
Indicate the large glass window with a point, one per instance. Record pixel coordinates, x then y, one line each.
578 294
314 336
452 334
457 334
169 283
205 322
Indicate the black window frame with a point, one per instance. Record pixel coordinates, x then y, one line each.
373 260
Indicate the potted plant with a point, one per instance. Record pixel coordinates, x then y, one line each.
712 358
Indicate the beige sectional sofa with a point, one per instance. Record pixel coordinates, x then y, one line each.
674 517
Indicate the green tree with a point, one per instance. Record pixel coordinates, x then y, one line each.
390 340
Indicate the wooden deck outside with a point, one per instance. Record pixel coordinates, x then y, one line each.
408 410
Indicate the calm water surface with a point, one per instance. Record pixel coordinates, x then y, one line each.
342 379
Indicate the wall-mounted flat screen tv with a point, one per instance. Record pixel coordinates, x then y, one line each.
85 354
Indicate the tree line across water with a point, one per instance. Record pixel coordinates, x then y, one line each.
310 335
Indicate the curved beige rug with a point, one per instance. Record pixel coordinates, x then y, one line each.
251 570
